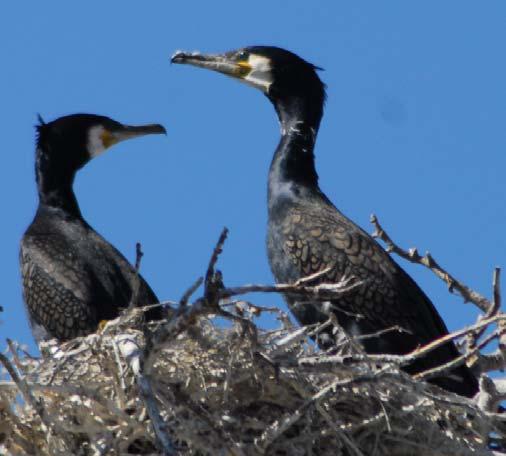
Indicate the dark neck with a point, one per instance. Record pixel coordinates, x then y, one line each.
54 185
292 169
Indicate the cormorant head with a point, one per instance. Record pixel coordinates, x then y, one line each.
279 73
73 140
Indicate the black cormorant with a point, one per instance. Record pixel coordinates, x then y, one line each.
72 277
306 233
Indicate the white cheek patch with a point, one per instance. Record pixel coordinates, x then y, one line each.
260 75
95 141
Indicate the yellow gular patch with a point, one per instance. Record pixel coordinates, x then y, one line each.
243 68
108 139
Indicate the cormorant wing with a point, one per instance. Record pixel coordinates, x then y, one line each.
388 296
59 294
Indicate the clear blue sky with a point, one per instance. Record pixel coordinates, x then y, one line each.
414 130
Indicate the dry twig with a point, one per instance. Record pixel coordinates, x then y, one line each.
136 285
428 261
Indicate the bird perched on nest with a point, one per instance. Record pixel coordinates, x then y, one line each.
307 234
72 277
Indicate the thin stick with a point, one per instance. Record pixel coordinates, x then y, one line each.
188 293
493 309
324 291
413 256
214 257
136 284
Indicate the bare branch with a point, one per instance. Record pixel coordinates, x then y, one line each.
494 309
496 360
136 281
322 361
214 257
413 256
314 276
188 293
324 291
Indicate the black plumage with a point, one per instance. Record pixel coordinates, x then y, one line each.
72 277
307 234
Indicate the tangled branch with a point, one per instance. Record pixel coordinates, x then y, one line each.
428 261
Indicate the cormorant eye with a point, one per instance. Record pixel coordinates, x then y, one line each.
243 55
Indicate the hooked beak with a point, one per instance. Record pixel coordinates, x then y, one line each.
130 131
216 62
100 137
125 132
255 71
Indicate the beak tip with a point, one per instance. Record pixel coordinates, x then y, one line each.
186 57
160 129
177 57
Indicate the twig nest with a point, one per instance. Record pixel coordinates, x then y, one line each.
222 391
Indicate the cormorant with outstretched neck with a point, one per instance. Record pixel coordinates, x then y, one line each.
307 234
72 277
